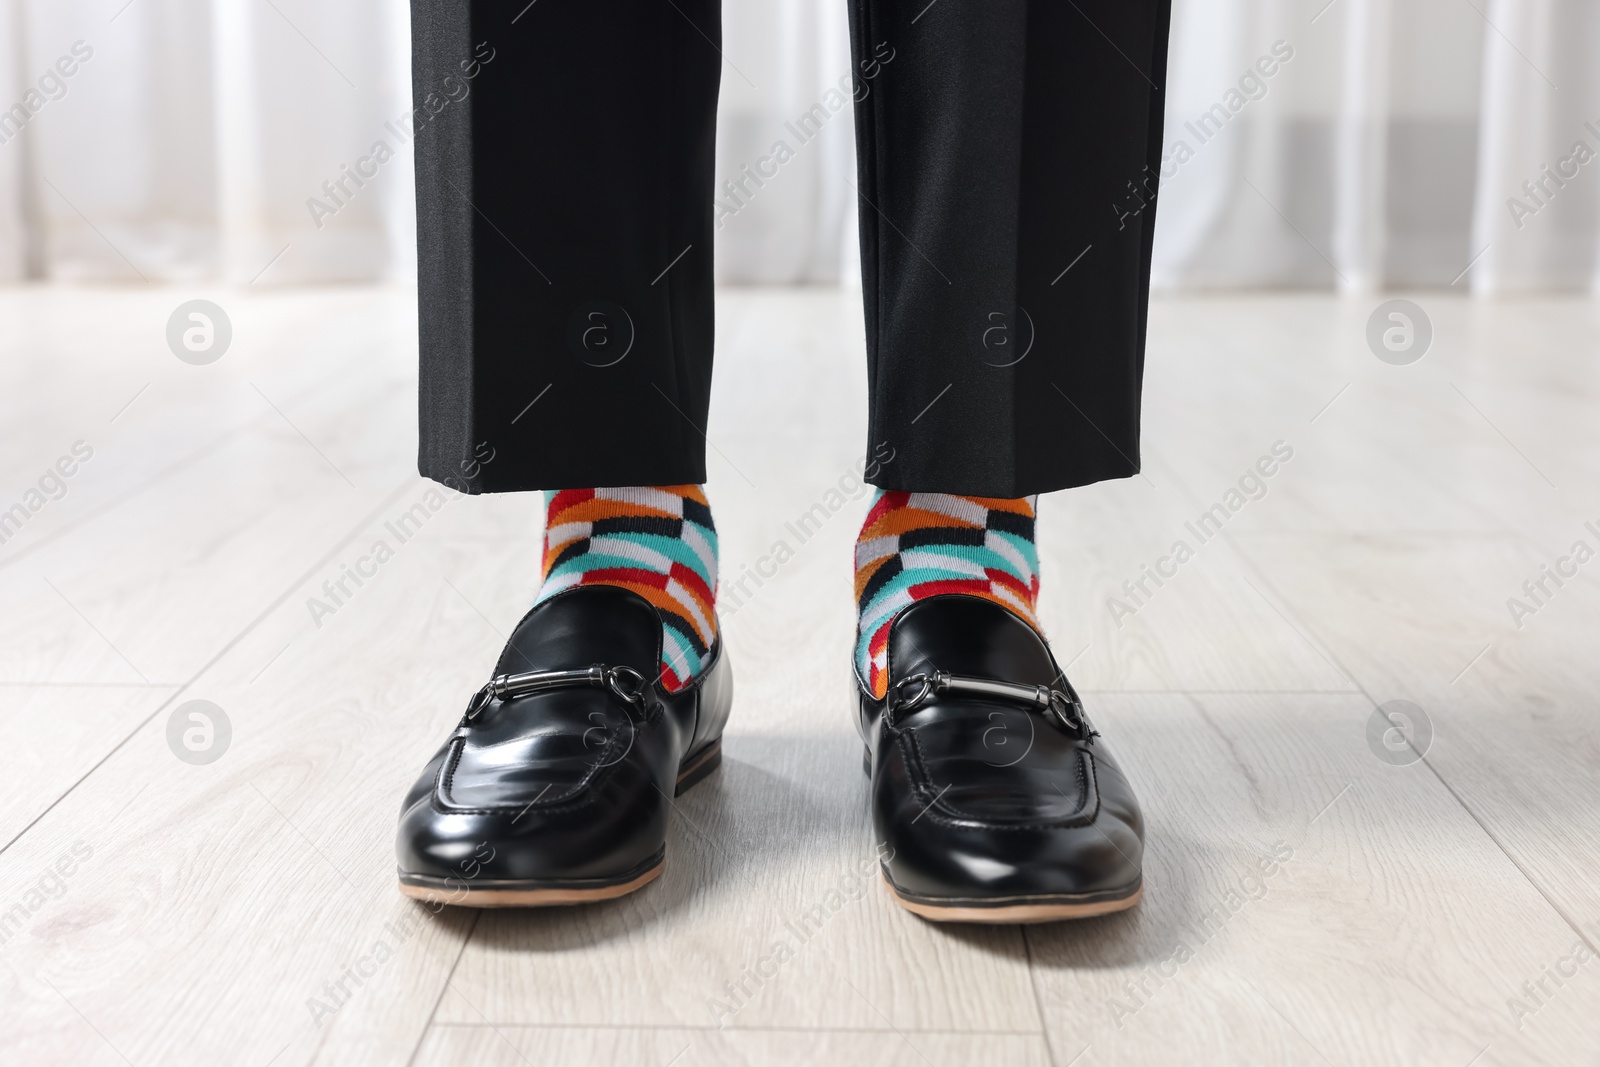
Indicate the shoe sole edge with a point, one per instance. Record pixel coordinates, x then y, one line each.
547 896
1044 910
557 895
709 759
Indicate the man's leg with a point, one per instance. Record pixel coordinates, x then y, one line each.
564 173
1008 156
564 176
1008 153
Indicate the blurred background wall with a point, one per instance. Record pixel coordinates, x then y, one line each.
1394 143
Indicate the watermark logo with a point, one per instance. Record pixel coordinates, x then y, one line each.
741 189
1252 486
51 86
199 732
1552 979
339 191
1399 332
1545 186
796 935
1538 589
51 884
1209 124
734 591
1003 746
600 333
603 736
1132 203
1399 733
1140 989
339 589
199 332
52 485
1005 337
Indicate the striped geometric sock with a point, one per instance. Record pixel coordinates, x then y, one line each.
916 545
657 541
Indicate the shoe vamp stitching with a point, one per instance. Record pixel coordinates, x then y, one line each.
567 801
911 752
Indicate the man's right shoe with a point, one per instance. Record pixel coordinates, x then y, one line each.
993 799
555 787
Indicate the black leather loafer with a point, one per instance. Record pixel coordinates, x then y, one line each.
555 787
993 799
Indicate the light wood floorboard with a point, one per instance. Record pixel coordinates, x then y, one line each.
516 1046
236 912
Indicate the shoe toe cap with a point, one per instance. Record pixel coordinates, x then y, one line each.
596 830
997 839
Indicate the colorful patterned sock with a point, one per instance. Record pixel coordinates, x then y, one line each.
916 545
657 541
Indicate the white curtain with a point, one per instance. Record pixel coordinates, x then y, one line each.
1356 144
1388 150
786 57
191 134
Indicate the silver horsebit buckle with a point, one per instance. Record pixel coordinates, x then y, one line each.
626 684
1062 705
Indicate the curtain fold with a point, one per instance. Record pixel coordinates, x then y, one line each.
1353 144
1537 217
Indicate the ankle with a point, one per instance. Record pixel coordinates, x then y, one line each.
656 541
917 545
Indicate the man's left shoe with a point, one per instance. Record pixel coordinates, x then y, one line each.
993 799
555 787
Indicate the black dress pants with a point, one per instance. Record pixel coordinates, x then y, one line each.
1008 154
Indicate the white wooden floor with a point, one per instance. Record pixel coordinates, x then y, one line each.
1443 912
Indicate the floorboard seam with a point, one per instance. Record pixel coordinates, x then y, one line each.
176 465
691 1028
444 987
1448 788
1038 998
365 521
